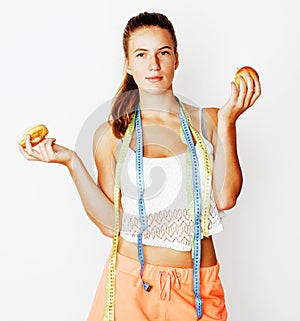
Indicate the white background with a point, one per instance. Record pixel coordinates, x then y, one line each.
61 60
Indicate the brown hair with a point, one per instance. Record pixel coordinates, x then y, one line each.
127 97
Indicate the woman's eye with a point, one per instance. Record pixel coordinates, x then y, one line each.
141 54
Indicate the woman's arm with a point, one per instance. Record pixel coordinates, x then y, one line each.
97 202
227 174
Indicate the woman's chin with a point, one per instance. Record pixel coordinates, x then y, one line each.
155 91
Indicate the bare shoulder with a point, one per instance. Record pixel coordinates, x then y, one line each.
104 141
104 146
210 119
210 115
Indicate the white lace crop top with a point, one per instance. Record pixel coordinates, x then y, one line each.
166 201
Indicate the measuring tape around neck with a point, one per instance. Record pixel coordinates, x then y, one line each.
200 204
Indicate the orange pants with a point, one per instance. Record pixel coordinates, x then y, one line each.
171 296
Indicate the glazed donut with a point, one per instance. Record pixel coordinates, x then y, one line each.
37 134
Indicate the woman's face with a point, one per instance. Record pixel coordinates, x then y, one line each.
152 60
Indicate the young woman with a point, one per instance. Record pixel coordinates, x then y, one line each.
166 171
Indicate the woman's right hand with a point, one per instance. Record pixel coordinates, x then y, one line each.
48 152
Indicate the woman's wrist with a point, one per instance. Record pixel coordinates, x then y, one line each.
72 161
225 121
226 126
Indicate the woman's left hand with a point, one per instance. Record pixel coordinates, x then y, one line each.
242 97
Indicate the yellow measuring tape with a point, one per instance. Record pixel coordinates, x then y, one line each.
110 285
207 177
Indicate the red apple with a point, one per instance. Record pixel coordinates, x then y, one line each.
242 71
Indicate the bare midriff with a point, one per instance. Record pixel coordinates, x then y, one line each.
169 257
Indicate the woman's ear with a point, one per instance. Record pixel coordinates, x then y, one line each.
127 67
176 61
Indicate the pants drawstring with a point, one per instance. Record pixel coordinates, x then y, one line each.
168 279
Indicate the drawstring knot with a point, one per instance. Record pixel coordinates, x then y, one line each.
168 279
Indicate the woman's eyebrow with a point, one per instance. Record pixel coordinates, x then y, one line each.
142 49
165 47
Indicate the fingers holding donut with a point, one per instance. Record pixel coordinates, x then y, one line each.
32 137
44 151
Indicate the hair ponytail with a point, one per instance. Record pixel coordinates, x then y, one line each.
124 104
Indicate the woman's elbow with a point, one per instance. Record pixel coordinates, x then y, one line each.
226 203
106 231
223 206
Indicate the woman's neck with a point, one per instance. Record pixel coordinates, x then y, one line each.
160 104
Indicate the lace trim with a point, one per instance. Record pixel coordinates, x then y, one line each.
168 228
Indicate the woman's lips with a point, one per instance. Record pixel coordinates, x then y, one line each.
154 79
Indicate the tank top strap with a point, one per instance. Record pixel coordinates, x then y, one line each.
119 145
120 142
203 123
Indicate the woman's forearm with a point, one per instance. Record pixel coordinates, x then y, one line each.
227 174
96 204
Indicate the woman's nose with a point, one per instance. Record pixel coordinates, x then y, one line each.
154 63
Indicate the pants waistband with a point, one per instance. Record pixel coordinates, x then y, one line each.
153 272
